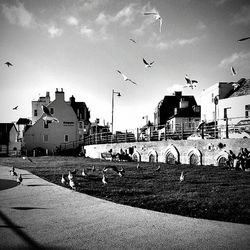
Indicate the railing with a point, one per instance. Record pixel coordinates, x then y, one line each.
226 128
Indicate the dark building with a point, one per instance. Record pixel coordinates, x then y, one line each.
169 106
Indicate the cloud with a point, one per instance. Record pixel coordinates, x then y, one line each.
243 16
85 31
172 44
92 4
234 58
125 16
200 25
71 20
54 31
220 2
17 14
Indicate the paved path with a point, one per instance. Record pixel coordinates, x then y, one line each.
39 214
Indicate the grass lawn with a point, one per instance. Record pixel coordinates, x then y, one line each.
207 192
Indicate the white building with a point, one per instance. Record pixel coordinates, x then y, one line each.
73 123
209 111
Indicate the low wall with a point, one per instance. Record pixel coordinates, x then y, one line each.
197 152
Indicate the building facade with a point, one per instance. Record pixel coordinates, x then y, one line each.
9 144
73 119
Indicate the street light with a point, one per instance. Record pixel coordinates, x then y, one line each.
216 101
112 122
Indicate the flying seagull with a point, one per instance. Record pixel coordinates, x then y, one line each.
132 40
9 64
147 65
125 78
157 17
15 108
243 39
190 83
233 71
48 116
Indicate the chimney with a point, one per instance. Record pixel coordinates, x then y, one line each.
59 95
72 100
178 94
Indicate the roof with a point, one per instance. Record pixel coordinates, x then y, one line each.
5 131
242 87
23 121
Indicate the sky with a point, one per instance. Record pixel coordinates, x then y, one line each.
79 45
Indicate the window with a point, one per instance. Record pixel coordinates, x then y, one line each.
45 138
46 124
35 112
52 111
80 124
247 111
66 138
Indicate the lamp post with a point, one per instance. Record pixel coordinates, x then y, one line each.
112 122
216 101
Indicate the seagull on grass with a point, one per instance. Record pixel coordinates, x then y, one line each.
115 169
93 169
70 176
84 172
182 177
156 16
147 65
19 179
104 181
63 180
233 71
125 78
72 185
158 168
243 39
9 64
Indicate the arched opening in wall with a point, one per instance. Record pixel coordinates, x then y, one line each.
170 158
152 158
135 157
222 162
194 159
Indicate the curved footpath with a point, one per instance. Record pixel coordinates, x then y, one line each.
41 215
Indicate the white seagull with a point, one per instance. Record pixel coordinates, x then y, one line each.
72 185
233 71
70 176
93 168
19 179
158 168
147 65
63 180
84 172
157 17
114 168
125 78
182 177
190 83
48 116
104 179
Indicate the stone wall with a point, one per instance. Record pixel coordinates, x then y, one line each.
198 152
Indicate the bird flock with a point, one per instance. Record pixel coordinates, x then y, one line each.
72 181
